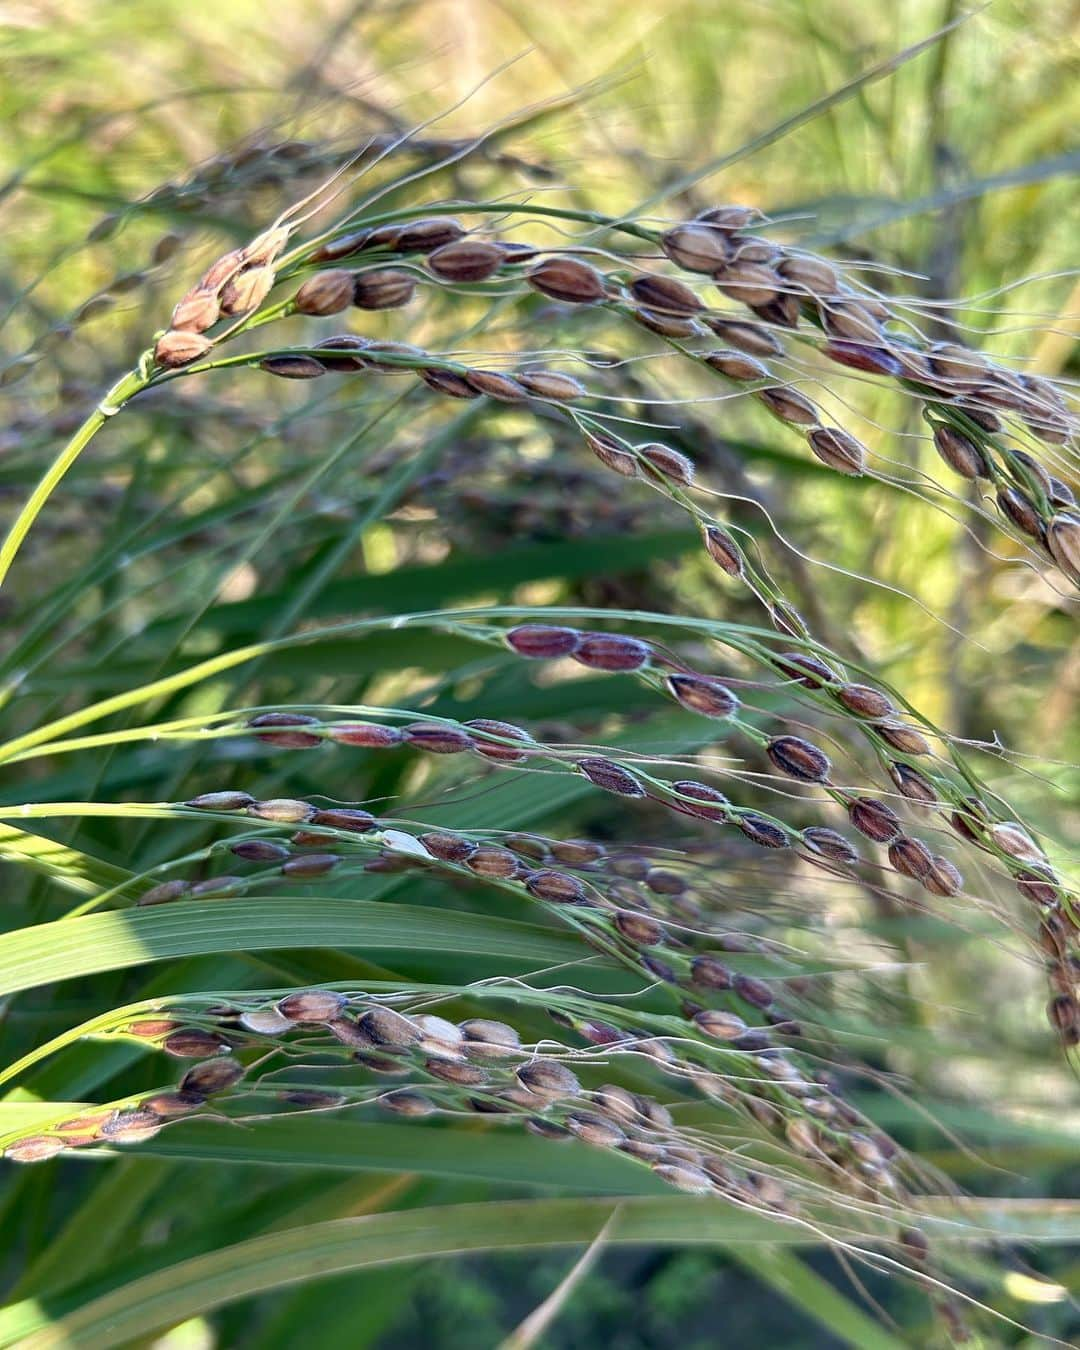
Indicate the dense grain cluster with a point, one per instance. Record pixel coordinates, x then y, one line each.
804 776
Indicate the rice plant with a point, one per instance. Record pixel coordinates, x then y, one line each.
533 721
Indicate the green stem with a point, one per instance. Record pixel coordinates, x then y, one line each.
124 389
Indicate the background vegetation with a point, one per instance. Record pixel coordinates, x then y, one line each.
142 140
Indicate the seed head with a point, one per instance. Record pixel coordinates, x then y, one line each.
764 833
193 1044
347 1032
696 247
490 861
282 810
982 417
902 737
576 852
487 1039
407 1102
668 463
451 1071
611 651
259 850
152 1027
310 865
942 878
221 801
960 452
196 312
264 248
286 740
720 1025
753 991
466 260
390 1029
746 337
723 550
829 844
838 449
448 382
710 973
310 1099
385 288
661 881
344 246
852 319
558 887
665 295
312 1005
808 670
735 365
166 247
167 1104
612 455
729 217
265 1022
789 406
506 731
419 236
215 885
440 1036
34 1148
1063 538
703 694
809 274
667 325
1021 510
134 1125
1039 885
863 356
864 701
368 735
543 642
448 847
179 348
616 1102
552 384
569 280
342 352
1063 1012
312 839
1014 840
748 283
496 385
549 1079
708 803
911 857
325 293
612 777
247 290
786 619
344 818
293 367
913 785
874 819
164 893
212 1075
221 271
638 928
594 1130
799 759
437 739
